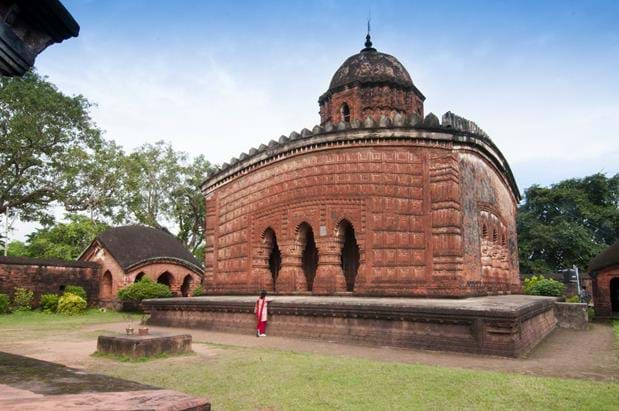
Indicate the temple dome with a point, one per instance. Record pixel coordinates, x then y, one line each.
370 66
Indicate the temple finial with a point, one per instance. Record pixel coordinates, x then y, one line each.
368 42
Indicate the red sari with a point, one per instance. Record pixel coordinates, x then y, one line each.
261 315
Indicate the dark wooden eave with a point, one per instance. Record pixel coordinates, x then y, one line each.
48 20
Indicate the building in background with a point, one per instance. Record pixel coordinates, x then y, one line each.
603 270
127 254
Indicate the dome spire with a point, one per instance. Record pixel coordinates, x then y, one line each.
368 41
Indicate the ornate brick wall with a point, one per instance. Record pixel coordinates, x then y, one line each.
371 101
417 209
48 276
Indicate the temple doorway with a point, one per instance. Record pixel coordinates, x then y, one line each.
106 286
275 256
349 254
614 294
186 287
139 277
309 256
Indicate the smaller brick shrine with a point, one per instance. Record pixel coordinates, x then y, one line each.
126 254
603 271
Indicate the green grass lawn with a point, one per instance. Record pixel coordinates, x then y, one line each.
37 324
236 378
245 379
27 320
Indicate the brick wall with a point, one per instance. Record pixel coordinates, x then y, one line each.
48 276
370 101
601 291
416 212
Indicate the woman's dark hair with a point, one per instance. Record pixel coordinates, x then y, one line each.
263 294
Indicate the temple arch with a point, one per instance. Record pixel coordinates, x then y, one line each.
309 253
345 113
139 276
166 278
273 253
187 285
349 252
106 286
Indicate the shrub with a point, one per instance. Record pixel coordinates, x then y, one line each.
198 291
145 288
547 287
573 299
49 303
77 290
22 299
71 304
4 304
591 314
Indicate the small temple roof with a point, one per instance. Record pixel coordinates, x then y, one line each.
606 258
133 245
370 66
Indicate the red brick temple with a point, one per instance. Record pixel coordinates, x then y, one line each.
348 223
376 200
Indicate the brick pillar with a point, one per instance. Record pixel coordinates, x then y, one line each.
260 268
291 278
329 275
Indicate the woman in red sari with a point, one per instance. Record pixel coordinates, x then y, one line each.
261 314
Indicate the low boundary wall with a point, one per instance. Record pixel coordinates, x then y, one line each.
499 325
48 276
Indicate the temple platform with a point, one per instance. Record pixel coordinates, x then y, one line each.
509 325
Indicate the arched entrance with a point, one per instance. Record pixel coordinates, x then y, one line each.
138 277
166 278
186 287
275 256
349 253
106 286
309 254
614 294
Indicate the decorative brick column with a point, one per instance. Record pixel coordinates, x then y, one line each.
329 275
291 278
260 267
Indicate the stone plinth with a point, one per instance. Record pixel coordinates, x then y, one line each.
498 325
572 315
136 346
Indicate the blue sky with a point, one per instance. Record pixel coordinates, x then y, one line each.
220 77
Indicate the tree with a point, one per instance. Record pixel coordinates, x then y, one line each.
65 241
189 206
94 181
161 189
568 223
153 174
40 129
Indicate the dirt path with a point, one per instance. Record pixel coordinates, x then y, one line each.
565 353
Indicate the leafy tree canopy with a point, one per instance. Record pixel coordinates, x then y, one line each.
161 189
567 223
64 241
41 129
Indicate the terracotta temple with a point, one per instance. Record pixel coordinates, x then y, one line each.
126 254
376 200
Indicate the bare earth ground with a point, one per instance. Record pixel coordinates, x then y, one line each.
565 353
